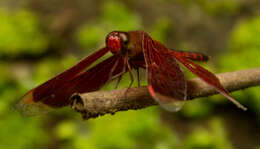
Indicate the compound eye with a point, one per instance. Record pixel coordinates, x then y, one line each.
113 42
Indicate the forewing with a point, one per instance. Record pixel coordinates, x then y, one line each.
209 78
97 76
49 87
91 80
40 99
166 82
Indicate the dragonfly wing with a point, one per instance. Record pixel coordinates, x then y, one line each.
166 82
208 77
99 75
35 101
91 80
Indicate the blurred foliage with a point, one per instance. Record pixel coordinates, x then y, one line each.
132 129
214 138
220 7
26 133
20 33
13 126
115 16
197 108
45 69
160 29
244 46
216 7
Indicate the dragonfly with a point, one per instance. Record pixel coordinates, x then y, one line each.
131 51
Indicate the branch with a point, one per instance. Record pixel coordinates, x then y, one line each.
94 104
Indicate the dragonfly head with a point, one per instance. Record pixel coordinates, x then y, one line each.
117 42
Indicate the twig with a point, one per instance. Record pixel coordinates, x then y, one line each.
94 104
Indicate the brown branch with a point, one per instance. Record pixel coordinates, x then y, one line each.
94 104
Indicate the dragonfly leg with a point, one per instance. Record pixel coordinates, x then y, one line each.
118 81
130 73
112 70
138 76
121 73
118 75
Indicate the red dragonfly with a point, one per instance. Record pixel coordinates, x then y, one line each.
131 50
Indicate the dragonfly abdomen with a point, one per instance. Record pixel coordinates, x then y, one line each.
195 56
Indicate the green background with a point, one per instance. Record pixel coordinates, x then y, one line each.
40 38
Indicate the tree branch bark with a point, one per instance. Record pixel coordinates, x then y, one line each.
94 104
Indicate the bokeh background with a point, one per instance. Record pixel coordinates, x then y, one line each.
40 38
